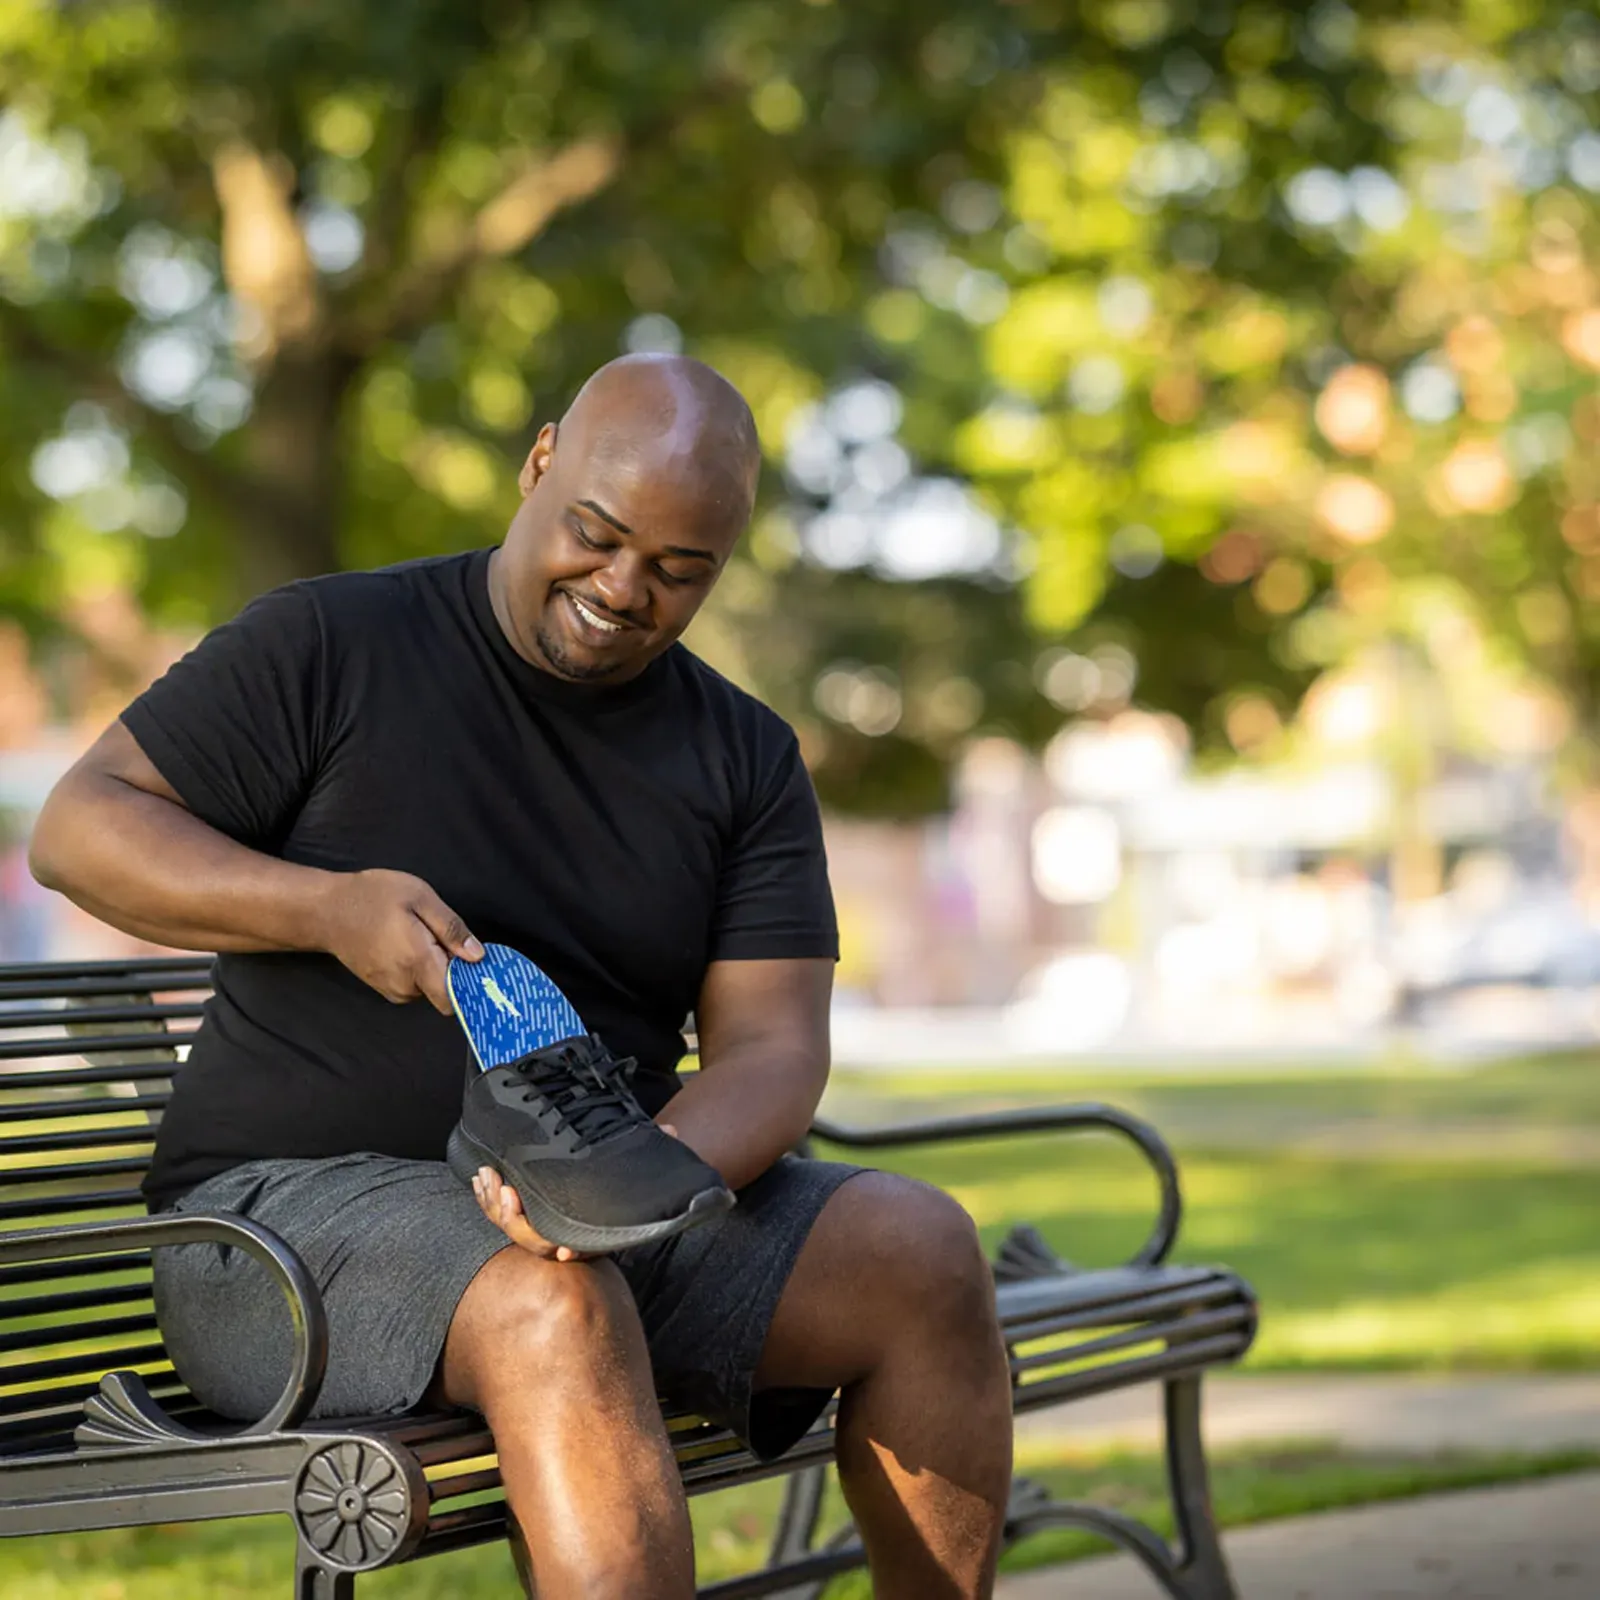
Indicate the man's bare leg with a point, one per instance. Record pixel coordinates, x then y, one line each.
892 1299
553 1356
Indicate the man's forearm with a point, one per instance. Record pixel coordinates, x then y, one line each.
151 868
746 1109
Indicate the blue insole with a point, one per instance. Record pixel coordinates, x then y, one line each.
508 1006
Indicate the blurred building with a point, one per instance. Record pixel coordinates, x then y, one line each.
1107 895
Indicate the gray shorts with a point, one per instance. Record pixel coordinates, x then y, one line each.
393 1245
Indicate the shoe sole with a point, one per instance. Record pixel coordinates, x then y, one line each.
465 1156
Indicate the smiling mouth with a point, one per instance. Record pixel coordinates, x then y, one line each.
591 622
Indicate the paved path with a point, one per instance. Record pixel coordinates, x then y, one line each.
1396 1412
1532 1541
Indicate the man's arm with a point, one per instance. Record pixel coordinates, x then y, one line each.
116 839
763 1029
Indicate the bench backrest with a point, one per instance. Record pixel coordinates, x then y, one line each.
87 1055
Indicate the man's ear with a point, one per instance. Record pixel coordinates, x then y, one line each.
539 459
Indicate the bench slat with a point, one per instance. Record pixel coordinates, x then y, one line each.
40 1144
114 986
86 1106
93 1044
490 1516
91 1361
84 1016
1149 1306
1022 1298
63 1205
190 980
1181 1330
454 1446
72 1267
465 1483
86 1077
74 1333
46 1305
141 969
1126 1374
740 1466
19 1178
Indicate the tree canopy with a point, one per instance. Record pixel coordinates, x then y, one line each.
1132 348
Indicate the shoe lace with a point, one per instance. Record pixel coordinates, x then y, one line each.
590 1089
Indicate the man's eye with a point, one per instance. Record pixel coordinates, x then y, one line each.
583 538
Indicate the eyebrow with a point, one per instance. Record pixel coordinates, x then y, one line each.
623 528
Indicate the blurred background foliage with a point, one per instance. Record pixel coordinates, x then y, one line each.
1174 350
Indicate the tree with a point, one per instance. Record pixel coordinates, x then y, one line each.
282 290
1303 314
320 269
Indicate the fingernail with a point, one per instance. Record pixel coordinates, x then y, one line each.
471 949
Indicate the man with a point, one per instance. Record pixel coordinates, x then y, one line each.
365 774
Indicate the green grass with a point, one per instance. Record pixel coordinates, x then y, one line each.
1384 1263
1539 1107
1396 1251
252 1560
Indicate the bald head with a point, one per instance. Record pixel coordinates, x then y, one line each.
631 507
671 417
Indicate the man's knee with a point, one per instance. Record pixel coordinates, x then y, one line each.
522 1314
920 1249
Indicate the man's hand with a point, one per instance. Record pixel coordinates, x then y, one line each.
502 1205
116 838
395 934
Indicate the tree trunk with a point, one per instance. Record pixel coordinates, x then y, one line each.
294 445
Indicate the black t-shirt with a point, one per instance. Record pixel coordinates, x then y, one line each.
623 837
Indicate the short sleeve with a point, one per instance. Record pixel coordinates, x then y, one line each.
773 897
234 726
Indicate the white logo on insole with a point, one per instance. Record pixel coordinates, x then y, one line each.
502 1001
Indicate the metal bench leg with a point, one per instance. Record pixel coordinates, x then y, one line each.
1201 1563
794 1538
1033 1509
796 1530
313 1581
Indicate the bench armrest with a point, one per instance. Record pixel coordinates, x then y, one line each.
286 1269
1037 1119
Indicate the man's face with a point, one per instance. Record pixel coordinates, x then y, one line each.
609 558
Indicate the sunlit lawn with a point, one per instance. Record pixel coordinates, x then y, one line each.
1536 1105
1412 1256
1382 1263
1409 1257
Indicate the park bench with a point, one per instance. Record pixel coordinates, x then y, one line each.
98 1431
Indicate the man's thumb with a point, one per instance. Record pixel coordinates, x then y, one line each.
448 928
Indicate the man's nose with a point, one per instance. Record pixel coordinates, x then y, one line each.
620 584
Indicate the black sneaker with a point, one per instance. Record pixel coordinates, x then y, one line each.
593 1171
